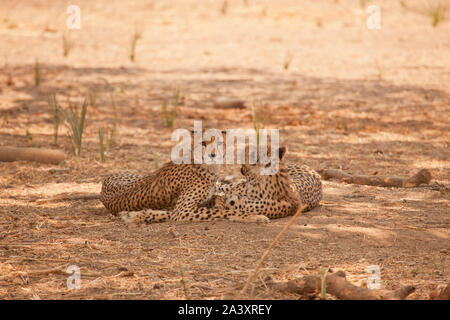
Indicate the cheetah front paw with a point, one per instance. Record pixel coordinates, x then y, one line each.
128 216
258 218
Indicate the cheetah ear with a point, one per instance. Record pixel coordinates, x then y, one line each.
281 152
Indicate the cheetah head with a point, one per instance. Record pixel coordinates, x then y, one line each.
212 149
255 171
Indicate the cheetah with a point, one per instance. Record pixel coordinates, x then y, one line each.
175 192
293 187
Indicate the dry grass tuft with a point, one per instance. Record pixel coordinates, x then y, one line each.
54 109
67 44
137 35
437 14
76 123
37 73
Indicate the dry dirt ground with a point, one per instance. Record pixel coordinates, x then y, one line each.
343 96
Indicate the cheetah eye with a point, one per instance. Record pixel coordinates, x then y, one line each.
267 165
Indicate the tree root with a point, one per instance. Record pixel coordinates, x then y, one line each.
338 286
441 293
421 177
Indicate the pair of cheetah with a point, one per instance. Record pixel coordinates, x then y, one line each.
192 192
279 195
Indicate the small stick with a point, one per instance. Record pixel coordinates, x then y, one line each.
183 282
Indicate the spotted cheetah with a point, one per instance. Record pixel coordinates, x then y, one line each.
174 192
293 187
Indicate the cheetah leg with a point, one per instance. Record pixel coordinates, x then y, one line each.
208 214
272 209
258 218
144 216
187 209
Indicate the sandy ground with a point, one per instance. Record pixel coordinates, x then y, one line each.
343 96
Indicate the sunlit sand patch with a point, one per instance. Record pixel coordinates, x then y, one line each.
440 233
310 235
371 232
432 164
51 189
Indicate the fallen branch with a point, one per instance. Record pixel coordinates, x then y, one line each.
229 104
421 177
441 293
8 154
338 286
70 197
